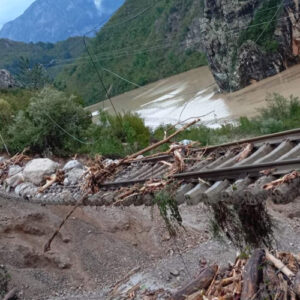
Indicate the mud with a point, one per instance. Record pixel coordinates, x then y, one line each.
100 246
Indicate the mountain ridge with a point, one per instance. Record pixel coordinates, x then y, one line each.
57 20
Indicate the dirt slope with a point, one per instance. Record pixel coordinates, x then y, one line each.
99 246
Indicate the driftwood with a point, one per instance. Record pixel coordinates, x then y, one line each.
11 294
154 146
202 282
47 246
246 152
252 275
279 265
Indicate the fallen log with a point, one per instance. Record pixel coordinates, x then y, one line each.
252 275
203 281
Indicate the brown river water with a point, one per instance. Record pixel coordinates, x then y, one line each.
195 93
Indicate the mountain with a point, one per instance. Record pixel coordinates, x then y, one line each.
144 41
57 20
39 53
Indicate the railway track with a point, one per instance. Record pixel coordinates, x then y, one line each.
212 174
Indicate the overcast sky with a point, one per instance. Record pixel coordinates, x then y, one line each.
10 9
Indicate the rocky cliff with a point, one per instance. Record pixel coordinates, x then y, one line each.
56 20
246 41
6 80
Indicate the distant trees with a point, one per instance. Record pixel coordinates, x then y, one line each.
32 76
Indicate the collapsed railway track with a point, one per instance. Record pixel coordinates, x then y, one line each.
211 174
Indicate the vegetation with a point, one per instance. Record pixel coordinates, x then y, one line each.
261 29
142 42
52 56
49 120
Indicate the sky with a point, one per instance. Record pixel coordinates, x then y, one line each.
11 9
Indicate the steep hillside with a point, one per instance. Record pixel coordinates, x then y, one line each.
56 20
144 41
42 53
244 42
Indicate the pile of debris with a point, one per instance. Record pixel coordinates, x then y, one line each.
262 276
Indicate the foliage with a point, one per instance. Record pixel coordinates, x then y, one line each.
52 122
119 135
142 49
261 29
5 113
168 209
34 77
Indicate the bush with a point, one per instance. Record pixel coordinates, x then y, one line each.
52 121
119 135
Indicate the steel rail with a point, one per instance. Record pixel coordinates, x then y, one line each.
281 167
264 138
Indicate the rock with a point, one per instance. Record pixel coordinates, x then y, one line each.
36 169
238 58
26 189
72 164
15 180
74 176
2 159
174 272
6 80
13 170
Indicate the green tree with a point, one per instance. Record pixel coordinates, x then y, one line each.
34 77
52 122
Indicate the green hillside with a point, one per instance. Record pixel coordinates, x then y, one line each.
144 42
42 53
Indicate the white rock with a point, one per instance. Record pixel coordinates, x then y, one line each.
15 180
72 164
2 159
36 169
74 176
13 170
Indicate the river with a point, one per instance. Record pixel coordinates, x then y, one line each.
195 93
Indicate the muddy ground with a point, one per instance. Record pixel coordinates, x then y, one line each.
99 246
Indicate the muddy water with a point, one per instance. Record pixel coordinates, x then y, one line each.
194 93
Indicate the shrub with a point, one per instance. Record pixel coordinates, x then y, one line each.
52 121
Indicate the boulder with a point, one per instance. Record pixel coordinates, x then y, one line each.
15 180
13 170
6 80
72 164
74 176
36 169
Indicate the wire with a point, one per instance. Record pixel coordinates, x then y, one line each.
66 132
3 142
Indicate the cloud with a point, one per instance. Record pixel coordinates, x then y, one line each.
11 9
98 3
